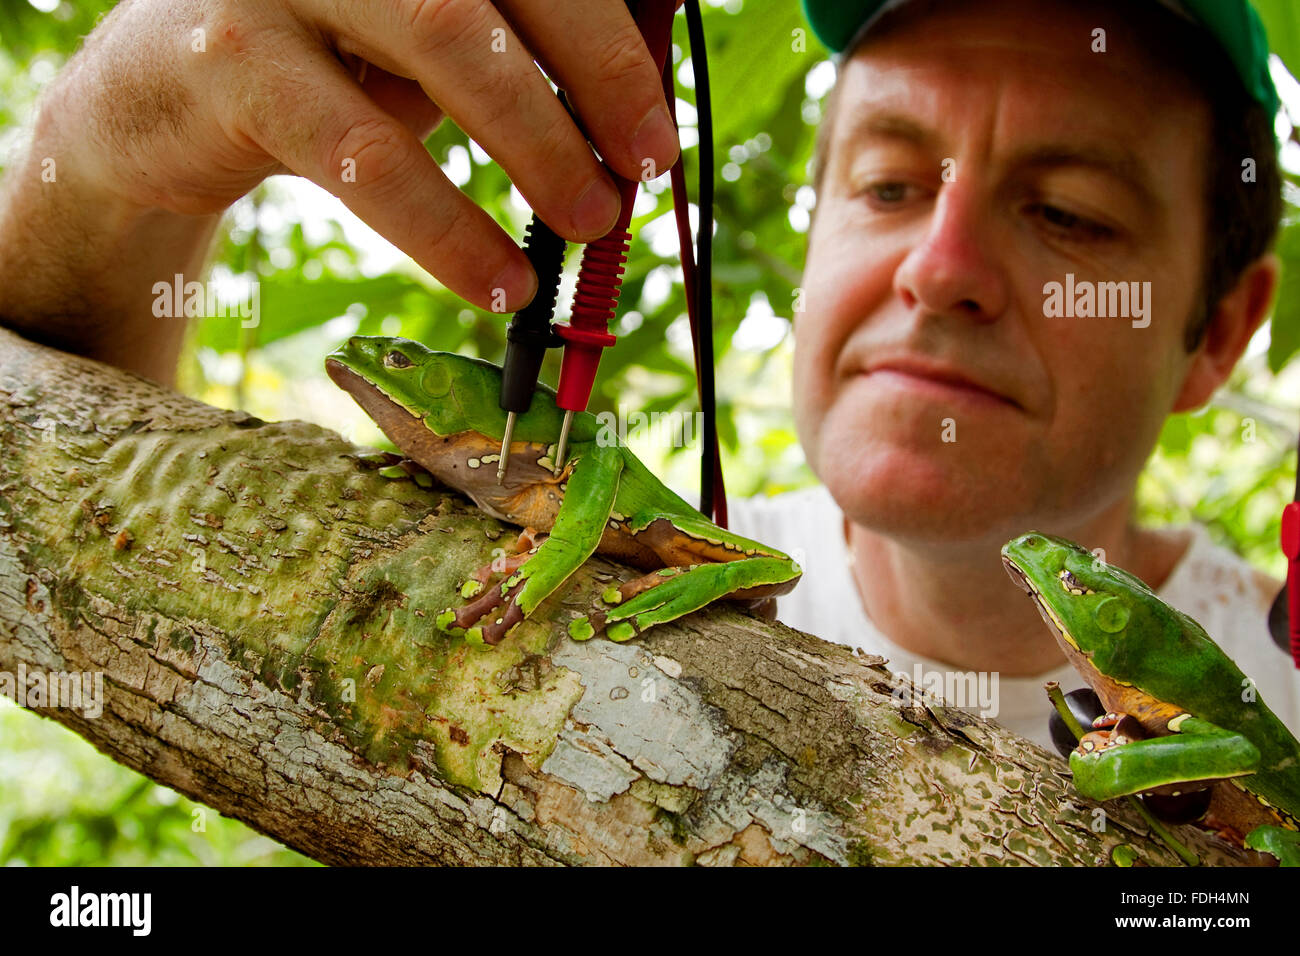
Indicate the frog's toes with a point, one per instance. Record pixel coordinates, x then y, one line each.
446 621
466 615
1125 855
630 589
597 622
496 629
581 629
474 612
620 631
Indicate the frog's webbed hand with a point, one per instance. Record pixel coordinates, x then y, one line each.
588 501
487 599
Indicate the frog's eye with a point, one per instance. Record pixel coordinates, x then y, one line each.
396 359
1073 584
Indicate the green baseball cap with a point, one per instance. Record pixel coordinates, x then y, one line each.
1234 23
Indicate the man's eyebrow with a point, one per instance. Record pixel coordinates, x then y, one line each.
888 125
1117 161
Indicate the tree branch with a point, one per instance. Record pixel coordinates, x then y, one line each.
260 599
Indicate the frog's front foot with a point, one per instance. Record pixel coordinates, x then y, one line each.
487 598
468 616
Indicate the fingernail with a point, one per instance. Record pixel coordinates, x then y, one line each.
656 139
513 287
596 210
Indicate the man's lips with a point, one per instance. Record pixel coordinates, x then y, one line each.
921 372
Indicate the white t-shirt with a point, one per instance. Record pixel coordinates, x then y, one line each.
1212 585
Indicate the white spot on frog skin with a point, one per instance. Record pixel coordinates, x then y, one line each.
473 462
489 459
616 516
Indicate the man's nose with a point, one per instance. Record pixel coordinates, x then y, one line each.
954 269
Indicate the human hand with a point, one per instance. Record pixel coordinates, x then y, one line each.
186 105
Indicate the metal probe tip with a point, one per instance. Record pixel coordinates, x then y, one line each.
564 441
504 458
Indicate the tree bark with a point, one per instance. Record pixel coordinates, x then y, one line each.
260 599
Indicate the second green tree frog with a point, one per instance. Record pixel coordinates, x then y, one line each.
1180 714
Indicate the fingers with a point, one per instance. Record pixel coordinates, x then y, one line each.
396 95
596 54
474 65
321 125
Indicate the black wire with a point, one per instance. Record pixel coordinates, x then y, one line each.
710 471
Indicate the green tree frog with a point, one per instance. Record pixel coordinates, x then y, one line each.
1180 715
441 410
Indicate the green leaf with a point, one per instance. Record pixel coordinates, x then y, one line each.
1284 328
1282 23
751 63
290 304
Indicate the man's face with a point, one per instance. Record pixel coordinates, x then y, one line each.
978 154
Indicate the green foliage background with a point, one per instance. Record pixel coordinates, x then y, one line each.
1230 467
